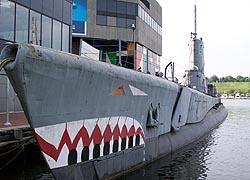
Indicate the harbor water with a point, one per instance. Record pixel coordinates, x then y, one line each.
222 154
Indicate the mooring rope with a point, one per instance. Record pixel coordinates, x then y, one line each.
6 61
20 147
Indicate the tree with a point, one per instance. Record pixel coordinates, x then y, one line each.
239 79
245 79
229 79
213 78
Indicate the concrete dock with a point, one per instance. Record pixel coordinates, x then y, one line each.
17 119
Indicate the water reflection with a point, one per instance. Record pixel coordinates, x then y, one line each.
29 165
188 163
222 154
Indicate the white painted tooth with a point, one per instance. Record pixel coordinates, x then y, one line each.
52 134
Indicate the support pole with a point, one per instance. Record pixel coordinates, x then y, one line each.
173 72
120 51
133 28
7 123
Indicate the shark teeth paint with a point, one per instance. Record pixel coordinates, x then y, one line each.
84 140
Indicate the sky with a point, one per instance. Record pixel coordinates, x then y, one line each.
224 26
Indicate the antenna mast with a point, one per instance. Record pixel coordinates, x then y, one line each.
195 22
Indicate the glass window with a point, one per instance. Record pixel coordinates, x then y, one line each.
7 12
101 20
111 6
153 24
21 24
150 21
139 11
121 7
111 21
143 14
65 38
35 28
57 38
102 5
131 8
138 48
150 60
121 22
130 22
46 31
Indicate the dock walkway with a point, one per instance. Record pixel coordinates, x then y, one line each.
17 119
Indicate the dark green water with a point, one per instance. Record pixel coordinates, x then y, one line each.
222 154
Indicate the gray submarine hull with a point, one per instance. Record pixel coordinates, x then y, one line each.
94 120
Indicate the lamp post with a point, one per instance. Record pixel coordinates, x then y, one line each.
133 28
7 123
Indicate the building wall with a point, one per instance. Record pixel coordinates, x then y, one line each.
58 12
144 34
14 104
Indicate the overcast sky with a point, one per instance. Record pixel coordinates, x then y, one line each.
224 26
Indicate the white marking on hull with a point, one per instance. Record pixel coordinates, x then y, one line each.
57 141
137 92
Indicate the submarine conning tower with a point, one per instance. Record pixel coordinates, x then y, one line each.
196 55
194 76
